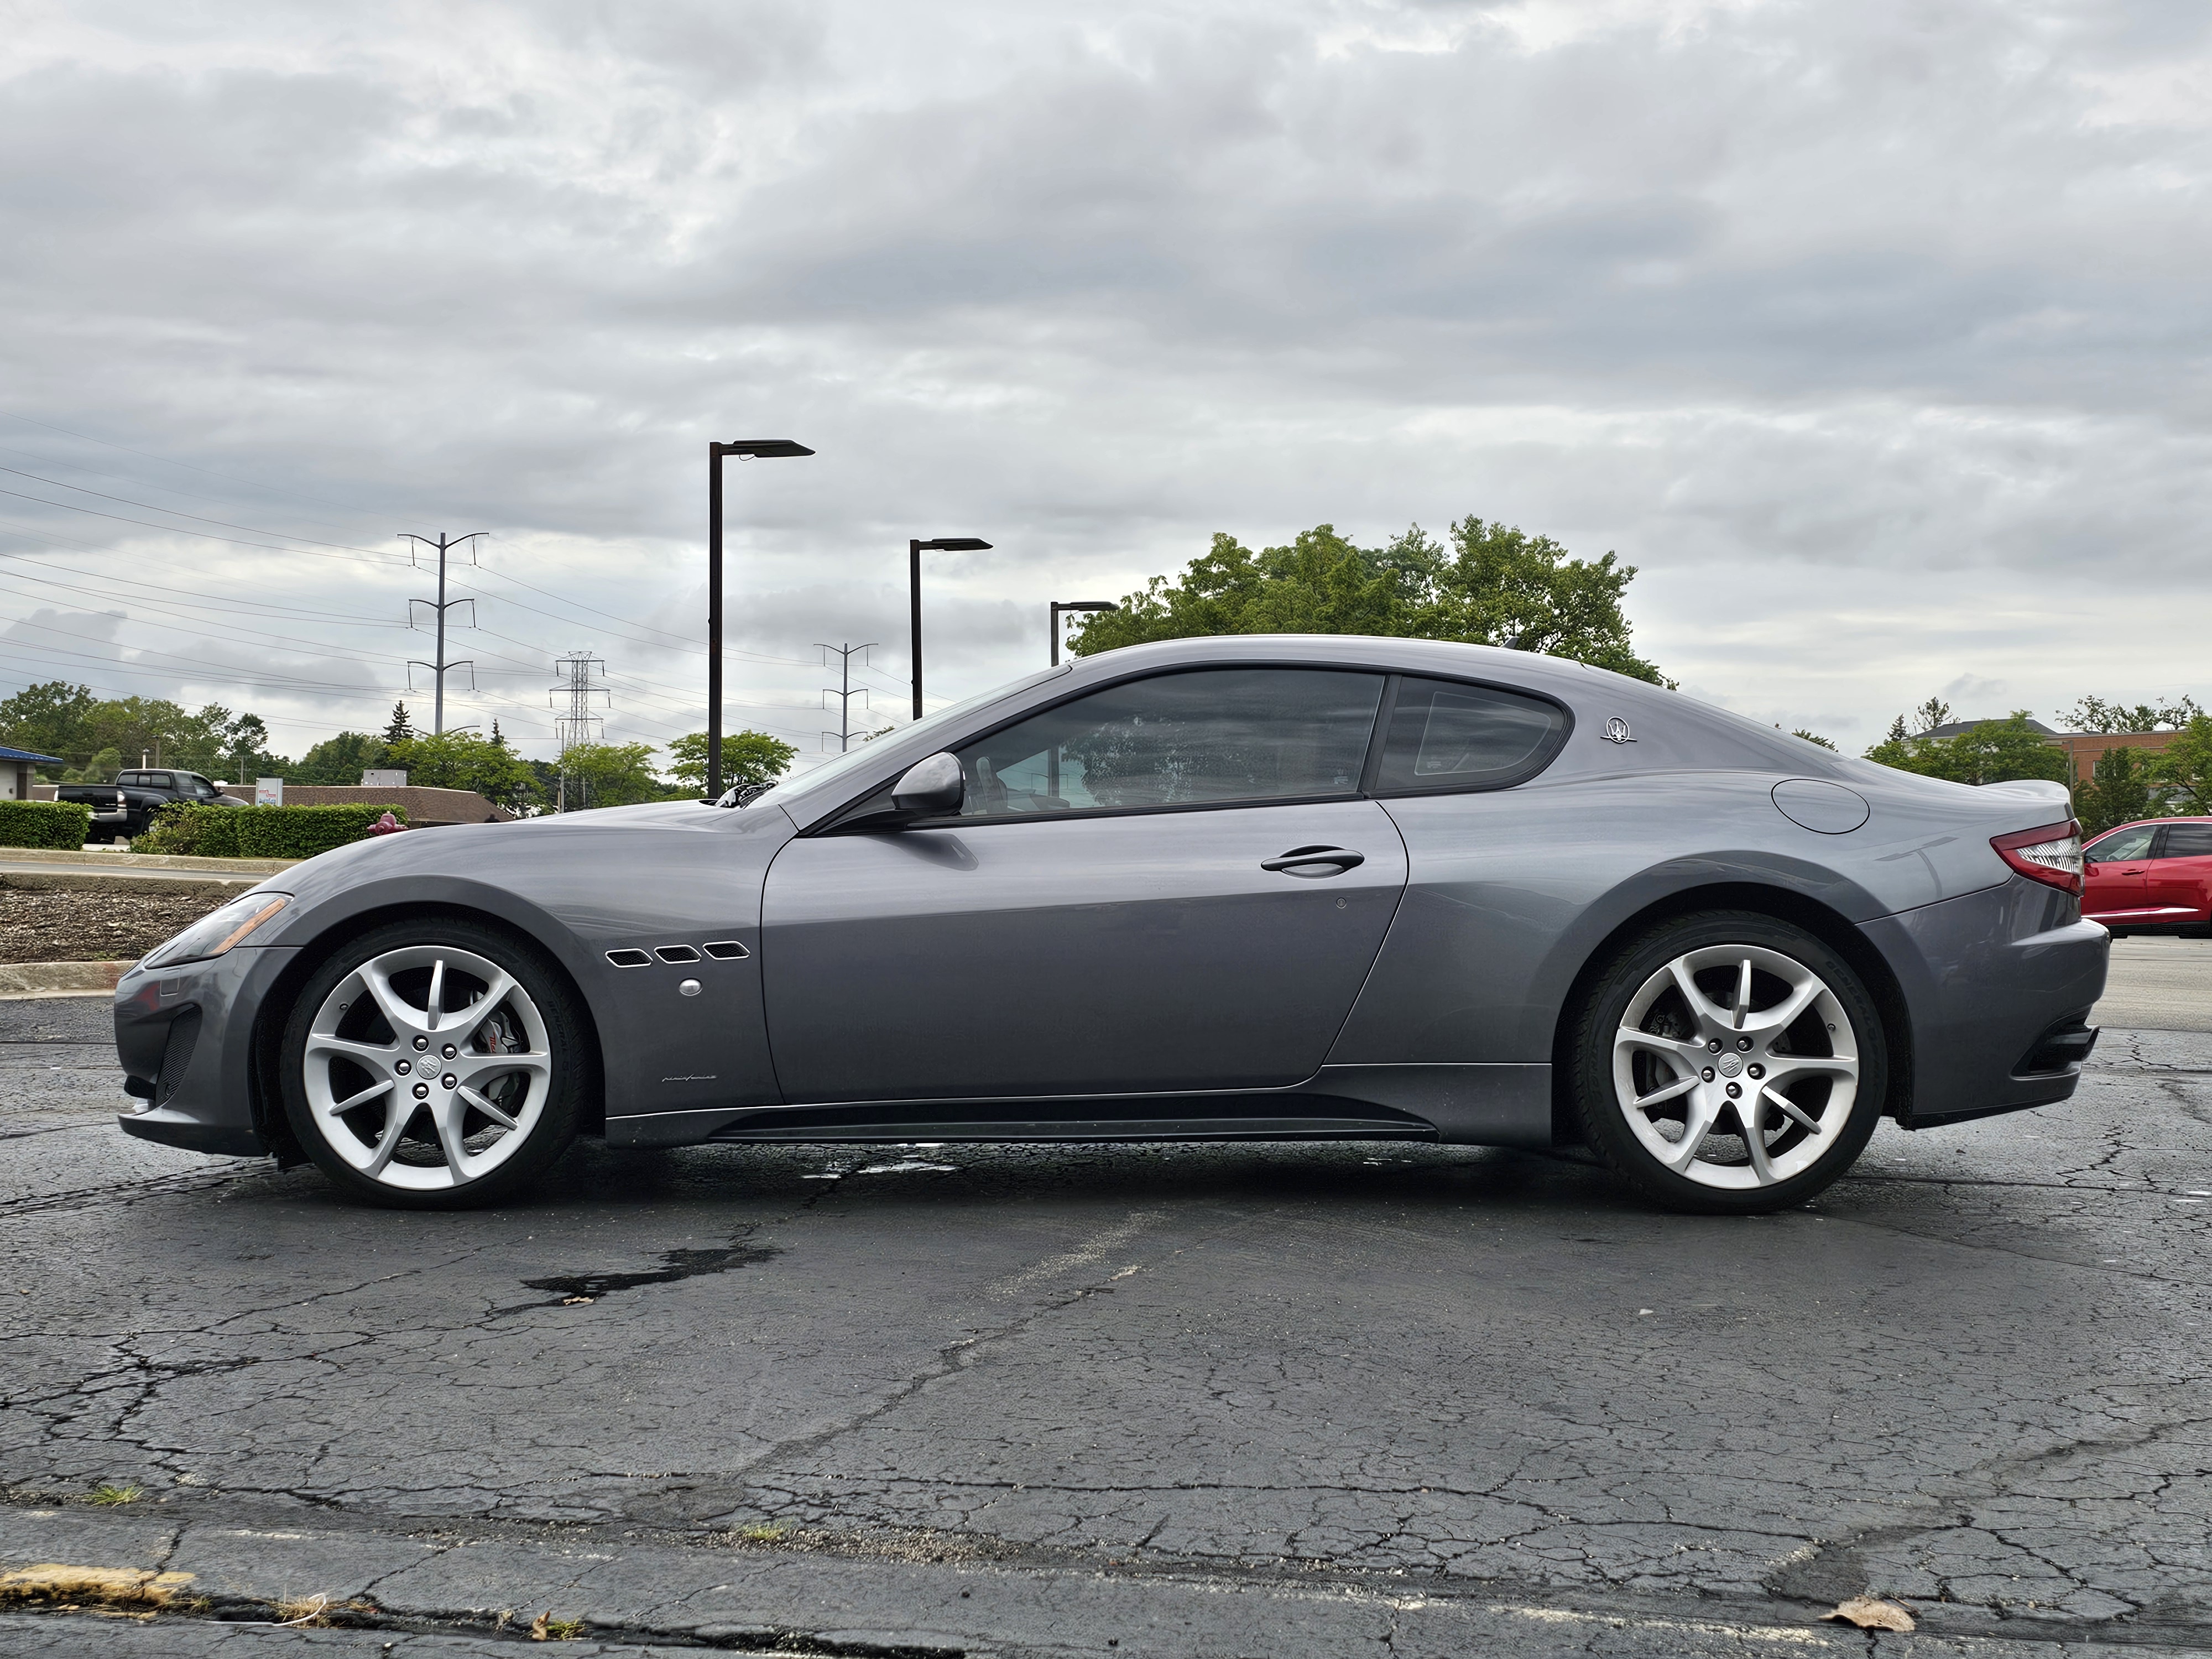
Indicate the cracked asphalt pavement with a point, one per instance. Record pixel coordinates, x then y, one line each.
1241 1400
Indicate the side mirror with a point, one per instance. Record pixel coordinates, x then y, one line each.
930 788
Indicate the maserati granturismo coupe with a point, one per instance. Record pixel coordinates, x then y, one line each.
1264 888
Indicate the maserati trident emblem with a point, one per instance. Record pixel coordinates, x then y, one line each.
1616 731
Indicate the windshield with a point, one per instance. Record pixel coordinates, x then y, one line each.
852 759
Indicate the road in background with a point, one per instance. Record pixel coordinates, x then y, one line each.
2159 984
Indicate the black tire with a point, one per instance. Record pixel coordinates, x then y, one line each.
547 1123
1792 1154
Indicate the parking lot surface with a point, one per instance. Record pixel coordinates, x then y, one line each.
1238 1399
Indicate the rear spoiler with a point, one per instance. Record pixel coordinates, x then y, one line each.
2037 789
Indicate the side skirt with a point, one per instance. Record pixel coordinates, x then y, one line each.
1469 1105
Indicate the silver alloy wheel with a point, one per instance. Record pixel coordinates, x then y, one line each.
426 1067
1736 1066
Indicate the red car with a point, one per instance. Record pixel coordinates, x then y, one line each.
2154 877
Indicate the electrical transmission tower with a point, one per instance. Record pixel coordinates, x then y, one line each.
582 677
439 606
845 691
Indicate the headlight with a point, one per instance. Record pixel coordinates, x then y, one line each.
217 931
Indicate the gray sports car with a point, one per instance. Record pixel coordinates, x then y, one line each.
1258 888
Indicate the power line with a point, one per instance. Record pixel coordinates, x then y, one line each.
174 530
175 512
187 466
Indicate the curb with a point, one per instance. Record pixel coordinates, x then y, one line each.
82 860
58 979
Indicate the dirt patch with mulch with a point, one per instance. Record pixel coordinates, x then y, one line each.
110 922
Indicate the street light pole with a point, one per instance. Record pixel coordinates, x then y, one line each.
1061 606
748 449
914 549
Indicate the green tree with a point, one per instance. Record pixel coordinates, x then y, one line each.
339 759
2185 768
47 718
1490 585
2095 714
1931 715
100 768
748 758
2118 790
399 728
462 760
1993 751
611 775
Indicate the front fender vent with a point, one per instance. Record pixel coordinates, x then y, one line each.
629 958
726 949
177 1056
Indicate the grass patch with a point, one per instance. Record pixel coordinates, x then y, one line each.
51 1583
546 1628
762 1534
108 1497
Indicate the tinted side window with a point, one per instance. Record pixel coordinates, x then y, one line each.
2187 840
1448 736
2119 846
1215 734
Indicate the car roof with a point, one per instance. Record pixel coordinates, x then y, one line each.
1674 730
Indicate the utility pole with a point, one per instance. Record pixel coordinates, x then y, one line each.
440 605
845 692
582 677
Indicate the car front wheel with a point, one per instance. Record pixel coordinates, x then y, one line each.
433 1066
1730 1063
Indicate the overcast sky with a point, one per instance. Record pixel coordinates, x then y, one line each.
1874 335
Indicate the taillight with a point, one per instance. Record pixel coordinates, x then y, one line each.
2051 855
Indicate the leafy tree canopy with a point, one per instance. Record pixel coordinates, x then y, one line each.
462 760
1994 751
2095 714
2118 790
2185 768
748 758
339 759
611 775
1489 584
95 736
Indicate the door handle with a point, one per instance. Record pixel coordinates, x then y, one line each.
1310 862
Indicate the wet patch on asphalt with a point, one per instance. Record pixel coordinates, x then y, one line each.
575 1289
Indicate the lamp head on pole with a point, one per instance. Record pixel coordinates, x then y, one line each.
1060 607
761 449
956 544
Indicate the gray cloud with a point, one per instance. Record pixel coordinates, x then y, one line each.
1873 335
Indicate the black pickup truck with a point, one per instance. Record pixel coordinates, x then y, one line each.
125 807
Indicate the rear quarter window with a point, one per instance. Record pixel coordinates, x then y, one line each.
1445 734
2187 840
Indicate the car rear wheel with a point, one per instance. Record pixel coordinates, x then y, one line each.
433 1066
1728 1063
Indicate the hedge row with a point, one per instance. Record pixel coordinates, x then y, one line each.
44 823
259 832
